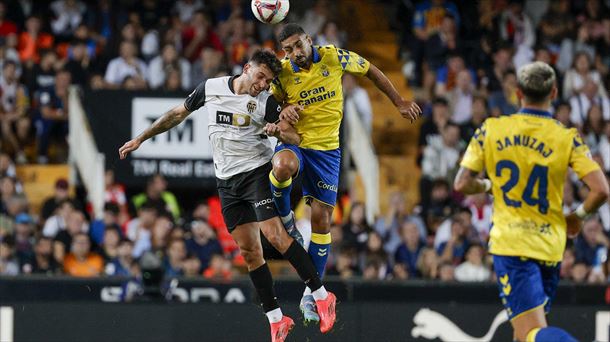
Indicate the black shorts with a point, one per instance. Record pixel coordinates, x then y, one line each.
246 197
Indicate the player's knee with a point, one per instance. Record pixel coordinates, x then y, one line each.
252 255
284 166
281 242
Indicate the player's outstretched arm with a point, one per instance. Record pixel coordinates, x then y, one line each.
408 109
598 195
170 119
467 182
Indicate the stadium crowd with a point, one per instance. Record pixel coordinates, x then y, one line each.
464 68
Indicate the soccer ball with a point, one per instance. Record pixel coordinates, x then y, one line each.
270 11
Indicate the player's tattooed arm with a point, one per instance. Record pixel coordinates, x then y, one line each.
408 109
468 183
170 119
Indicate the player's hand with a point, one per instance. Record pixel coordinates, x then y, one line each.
409 109
129 146
574 224
272 130
291 114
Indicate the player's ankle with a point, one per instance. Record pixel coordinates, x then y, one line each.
320 294
274 315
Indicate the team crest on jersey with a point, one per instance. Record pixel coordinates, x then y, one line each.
360 62
325 73
251 106
297 80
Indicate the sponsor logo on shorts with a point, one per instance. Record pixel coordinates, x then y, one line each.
325 186
263 202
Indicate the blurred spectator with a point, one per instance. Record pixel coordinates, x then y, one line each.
439 205
344 267
187 8
126 65
219 269
203 243
42 75
441 155
556 24
593 129
473 269
481 208
562 113
109 248
591 246
199 35
315 17
33 40
603 146
207 65
461 98
75 224
81 262
446 272
192 267
454 249
374 259
139 229
123 263
579 273
9 264
115 193
408 252
172 82
43 261
388 226
7 167
432 126
441 44
330 35
7 191
175 255
356 230
7 27
515 26
502 63
78 63
428 264
159 67
479 114
567 263
446 76
60 194
67 15
56 223
110 220
24 236
14 103
581 104
360 98
505 101
53 114
157 195
14 205
581 72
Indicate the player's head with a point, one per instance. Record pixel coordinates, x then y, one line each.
296 44
260 70
536 84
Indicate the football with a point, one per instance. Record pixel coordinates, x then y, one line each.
270 11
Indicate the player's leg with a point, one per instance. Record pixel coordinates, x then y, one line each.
320 184
522 291
286 164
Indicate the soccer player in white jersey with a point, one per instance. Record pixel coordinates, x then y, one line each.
240 111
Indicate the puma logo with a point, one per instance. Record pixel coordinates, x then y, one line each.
432 325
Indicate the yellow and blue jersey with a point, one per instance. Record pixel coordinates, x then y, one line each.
320 92
526 156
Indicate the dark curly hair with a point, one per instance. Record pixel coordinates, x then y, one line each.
289 30
267 58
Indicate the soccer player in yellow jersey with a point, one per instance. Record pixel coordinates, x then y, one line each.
310 81
526 156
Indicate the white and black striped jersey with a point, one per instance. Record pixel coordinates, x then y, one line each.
235 125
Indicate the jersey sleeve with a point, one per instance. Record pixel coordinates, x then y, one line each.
580 157
196 99
278 90
474 157
352 63
272 110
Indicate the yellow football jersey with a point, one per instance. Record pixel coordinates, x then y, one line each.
526 156
320 92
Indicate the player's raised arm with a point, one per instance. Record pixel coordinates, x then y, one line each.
170 119
408 109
